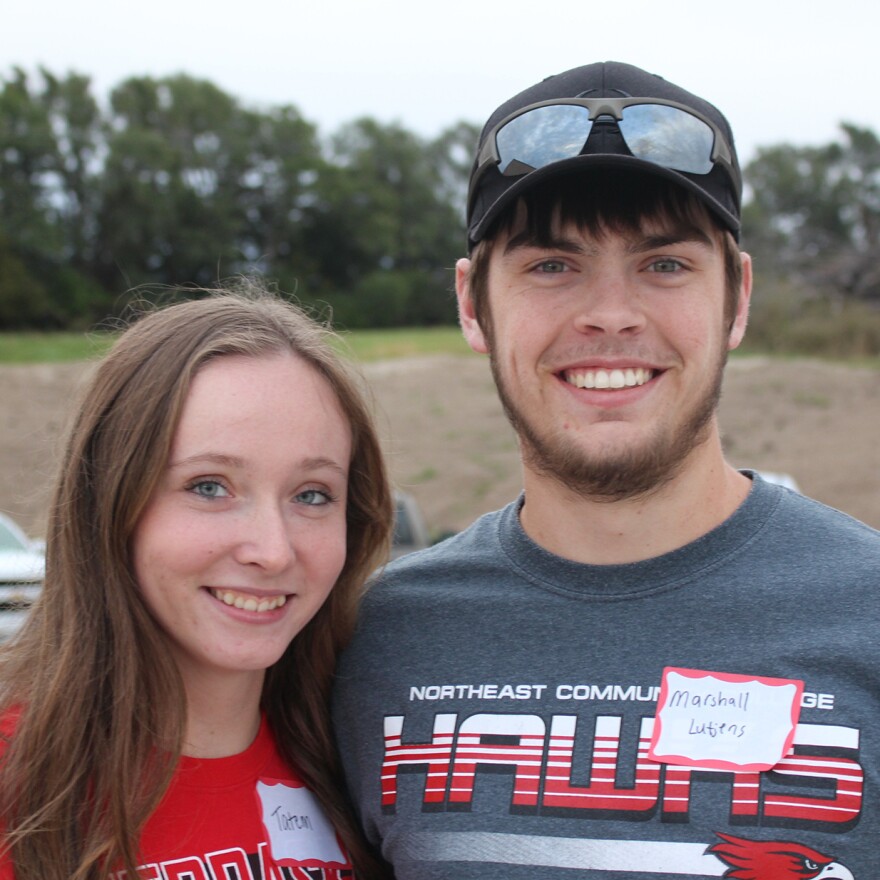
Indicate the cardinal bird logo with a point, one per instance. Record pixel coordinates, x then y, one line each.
775 860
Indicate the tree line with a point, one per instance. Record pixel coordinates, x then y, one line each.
174 181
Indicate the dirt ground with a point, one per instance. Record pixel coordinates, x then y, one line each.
449 444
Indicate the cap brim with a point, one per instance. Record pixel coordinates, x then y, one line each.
511 191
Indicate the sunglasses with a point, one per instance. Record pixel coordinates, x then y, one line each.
662 132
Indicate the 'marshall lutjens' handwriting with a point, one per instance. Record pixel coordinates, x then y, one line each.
714 700
713 729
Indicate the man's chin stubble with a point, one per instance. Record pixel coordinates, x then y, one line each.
635 473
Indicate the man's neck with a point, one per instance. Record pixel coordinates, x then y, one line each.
601 532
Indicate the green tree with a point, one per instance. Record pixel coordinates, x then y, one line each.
284 164
50 140
383 212
23 299
27 168
452 154
176 183
78 129
814 213
175 164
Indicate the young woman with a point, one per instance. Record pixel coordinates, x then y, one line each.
221 501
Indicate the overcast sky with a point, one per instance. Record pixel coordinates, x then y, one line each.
781 70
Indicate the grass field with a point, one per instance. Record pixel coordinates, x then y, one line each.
377 345
362 345
52 348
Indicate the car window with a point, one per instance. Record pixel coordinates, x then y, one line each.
9 540
402 529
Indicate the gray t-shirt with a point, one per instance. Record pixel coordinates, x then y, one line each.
496 707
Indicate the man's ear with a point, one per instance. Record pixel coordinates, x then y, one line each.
474 335
741 319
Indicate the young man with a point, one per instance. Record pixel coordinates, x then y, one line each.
651 664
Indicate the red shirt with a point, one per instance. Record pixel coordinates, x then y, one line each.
238 817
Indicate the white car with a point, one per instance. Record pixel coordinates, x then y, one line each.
22 569
786 480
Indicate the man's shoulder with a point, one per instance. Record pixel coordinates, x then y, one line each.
814 540
455 557
416 590
479 537
814 519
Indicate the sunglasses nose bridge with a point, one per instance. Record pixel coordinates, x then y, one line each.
605 137
598 109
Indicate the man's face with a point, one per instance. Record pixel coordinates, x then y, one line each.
608 351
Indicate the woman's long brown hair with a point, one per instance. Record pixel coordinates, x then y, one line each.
99 705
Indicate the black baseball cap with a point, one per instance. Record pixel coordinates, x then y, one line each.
491 191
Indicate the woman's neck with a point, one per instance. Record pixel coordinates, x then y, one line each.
223 714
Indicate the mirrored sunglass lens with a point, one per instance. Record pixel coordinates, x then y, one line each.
543 135
668 136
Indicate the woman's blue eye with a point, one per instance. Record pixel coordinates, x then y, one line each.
208 489
314 497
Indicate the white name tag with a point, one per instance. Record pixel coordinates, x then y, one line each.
721 721
299 833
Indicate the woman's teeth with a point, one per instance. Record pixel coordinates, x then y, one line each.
248 603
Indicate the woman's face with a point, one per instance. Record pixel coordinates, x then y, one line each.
244 536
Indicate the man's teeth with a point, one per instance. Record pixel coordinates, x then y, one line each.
627 378
248 603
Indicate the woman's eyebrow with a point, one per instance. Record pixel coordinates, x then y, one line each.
224 460
217 458
319 463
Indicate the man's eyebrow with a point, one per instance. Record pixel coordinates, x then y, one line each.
526 239
638 243
668 239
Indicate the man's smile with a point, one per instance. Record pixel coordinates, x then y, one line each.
629 377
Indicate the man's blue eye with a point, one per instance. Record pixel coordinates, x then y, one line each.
552 267
665 266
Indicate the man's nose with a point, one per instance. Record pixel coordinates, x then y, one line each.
609 306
